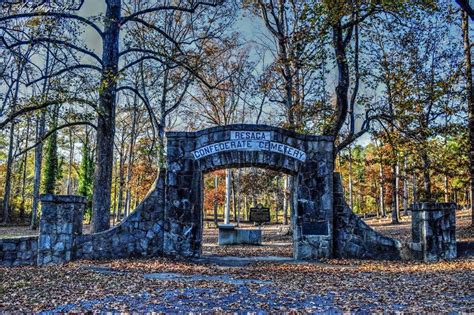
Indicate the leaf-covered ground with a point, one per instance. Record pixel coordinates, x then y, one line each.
164 285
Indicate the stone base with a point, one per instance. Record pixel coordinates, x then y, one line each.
311 247
230 235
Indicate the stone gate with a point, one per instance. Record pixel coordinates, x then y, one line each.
309 159
169 221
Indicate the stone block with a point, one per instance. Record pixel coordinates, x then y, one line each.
45 241
88 248
9 246
59 247
237 236
27 255
143 244
157 228
150 235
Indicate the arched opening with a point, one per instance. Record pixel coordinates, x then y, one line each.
308 158
247 190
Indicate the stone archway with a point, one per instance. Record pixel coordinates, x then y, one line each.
168 221
308 158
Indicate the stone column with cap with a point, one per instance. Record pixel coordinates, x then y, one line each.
60 223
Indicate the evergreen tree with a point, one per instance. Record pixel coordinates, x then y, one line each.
51 170
86 174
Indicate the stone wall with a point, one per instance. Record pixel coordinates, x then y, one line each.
354 238
434 231
140 234
169 220
18 251
61 239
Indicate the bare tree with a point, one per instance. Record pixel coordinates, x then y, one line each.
108 69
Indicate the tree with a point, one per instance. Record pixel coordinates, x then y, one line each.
108 69
51 170
86 173
415 74
470 102
19 60
293 78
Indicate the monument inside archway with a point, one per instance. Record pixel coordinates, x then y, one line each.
309 159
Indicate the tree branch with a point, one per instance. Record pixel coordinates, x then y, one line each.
362 17
159 30
52 41
131 64
179 100
68 69
192 9
49 133
54 14
153 119
44 105
174 60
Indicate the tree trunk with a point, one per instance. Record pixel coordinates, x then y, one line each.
106 120
293 213
285 200
394 194
41 126
228 180
25 162
426 176
121 175
131 154
405 186
342 88
382 191
246 203
216 204
351 194
415 195
470 103
397 187
8 175
71 161
116 211
51 159
234 196
237 184
446 188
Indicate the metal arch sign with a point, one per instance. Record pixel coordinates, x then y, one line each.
249 141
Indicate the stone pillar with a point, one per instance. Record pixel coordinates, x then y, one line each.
60 223
183 213
434 231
